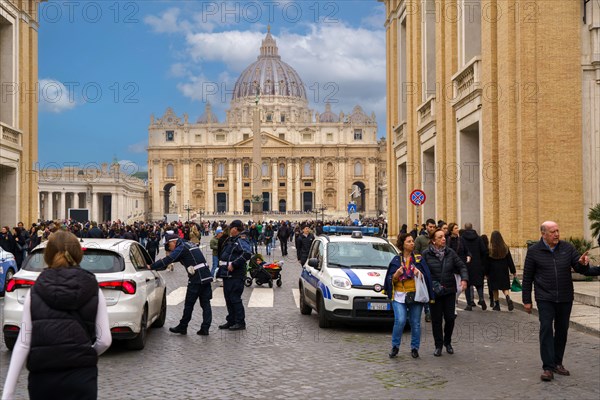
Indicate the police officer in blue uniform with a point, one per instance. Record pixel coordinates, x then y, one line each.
232 268
199 279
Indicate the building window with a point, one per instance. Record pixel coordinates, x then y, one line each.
221 185
136 204
307 136
198 138
307 184
281 184
246 172
358 169
330 169
170 135
170 171
246 136
329 137
282 206
220 137
281 170
282 117
198 170
246 184
220 170
269 117
282 136
307 169
265 169
358 134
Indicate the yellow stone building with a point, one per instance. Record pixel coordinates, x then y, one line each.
18 111
485 114
311 160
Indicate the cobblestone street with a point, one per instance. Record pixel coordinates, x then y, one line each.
284 354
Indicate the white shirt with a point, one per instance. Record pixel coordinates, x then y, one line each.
23 344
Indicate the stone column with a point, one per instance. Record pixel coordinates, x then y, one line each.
95 212
230 180
75 200
372 186
62 212
186 183
210 197
274 186
289 200
50 205
156 200
318 183
298 194
239 203
341 187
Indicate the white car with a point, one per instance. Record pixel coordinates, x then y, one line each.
136 297
343 277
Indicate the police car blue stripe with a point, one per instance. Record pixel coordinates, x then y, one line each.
354 279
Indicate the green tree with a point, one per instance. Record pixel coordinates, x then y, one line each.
594 217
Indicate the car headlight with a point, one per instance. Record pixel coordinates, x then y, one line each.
341 282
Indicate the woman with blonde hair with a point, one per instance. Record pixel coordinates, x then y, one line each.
499 263
64 327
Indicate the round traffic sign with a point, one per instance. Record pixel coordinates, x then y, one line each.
417 197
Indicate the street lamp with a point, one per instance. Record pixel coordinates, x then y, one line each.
321 208
187 208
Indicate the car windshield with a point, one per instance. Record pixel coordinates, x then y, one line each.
360 255
96 261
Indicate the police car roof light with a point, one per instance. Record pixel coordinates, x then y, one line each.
348 230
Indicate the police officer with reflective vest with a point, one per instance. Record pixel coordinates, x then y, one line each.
235 254
199 279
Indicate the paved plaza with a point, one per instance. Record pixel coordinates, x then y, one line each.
284 354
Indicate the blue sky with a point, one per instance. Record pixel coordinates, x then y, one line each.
106 66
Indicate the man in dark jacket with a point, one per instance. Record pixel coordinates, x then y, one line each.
548 266
303 243
236 252
283 234
478 254
95 232
199 279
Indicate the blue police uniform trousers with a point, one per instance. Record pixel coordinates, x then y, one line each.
203 293
232 291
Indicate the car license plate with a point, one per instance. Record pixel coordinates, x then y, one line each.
378 306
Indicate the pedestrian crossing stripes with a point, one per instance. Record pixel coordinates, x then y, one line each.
259 297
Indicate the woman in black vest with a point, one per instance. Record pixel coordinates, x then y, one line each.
66 327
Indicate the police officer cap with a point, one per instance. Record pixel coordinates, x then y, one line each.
170 238
237 224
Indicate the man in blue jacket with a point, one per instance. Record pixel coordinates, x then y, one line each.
235 254
548 266
199 279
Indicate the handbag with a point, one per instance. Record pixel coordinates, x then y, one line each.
409 298
421 295
458 284
516 285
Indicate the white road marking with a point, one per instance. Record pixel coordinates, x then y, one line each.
296 293
261 297
218 300
176 296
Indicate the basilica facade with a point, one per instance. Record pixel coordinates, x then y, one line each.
309 160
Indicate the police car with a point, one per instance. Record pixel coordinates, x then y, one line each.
343 277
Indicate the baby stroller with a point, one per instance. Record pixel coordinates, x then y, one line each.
261 272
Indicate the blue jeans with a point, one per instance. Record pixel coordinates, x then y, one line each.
401 311
215 266
269 247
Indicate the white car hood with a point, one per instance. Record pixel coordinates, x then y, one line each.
363 276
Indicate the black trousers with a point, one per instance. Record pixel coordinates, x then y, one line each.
232 291
283 247
202 293
72 384
443 310
554 326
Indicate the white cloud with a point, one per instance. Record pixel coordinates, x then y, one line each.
168 22
139 147
179 70
131 167
55 97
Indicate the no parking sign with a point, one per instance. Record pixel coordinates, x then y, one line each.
417 197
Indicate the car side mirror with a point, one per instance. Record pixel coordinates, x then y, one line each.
313 263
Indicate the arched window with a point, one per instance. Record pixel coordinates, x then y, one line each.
282 206
246 170
170 171
330 169
307 169
265 169
198 170
281 170
358 169
246 206
221 170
